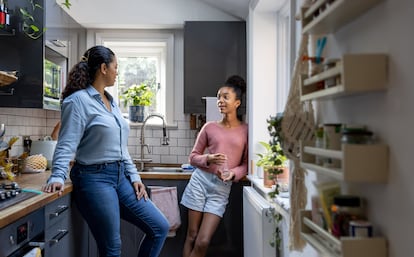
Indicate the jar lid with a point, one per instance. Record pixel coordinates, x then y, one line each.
347 200
356 131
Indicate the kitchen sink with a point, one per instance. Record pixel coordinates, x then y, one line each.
162 169
165 170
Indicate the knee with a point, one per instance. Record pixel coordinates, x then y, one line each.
192 235
201 243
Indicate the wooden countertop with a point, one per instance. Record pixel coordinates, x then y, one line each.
33 181
165 175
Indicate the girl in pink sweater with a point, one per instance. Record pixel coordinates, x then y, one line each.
220 156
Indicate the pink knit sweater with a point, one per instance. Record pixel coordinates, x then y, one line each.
214 138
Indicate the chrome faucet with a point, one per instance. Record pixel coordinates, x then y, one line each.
142 139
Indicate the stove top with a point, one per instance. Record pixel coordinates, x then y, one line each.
11 194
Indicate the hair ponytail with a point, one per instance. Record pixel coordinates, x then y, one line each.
83 73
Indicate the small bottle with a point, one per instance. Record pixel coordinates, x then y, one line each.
27 144
2 15
7 15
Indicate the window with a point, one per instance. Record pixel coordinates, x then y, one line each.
143 58
283 56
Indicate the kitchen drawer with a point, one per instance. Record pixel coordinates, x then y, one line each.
57 210
57 239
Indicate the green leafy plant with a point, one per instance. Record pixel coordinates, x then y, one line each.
29 26
67 4
274 160
276 240
138 95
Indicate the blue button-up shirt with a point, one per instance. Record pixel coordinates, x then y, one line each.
91 134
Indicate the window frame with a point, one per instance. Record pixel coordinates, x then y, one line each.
166 75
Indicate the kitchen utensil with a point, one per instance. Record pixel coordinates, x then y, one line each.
2 130
3 146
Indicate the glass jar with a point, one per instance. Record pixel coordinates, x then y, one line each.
345 209
356 136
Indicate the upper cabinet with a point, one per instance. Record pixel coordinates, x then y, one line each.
41 63
213 51
25 55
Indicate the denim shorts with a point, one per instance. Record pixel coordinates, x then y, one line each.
205 192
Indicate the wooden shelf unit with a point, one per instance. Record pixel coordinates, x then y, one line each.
328 245
334 15
359 163
357 72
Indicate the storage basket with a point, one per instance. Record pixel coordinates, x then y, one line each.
6 78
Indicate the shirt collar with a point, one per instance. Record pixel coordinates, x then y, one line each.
94 93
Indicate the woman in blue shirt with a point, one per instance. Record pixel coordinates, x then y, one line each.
106 184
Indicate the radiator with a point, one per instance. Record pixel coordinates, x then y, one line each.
257 229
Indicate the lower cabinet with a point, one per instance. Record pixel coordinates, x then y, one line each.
228 238
57 228
226 242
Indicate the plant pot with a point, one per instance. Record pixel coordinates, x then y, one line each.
270 179
137 113
282 180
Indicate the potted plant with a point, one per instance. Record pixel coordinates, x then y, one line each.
137 97
273 162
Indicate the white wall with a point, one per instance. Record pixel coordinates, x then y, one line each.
384 29
262 76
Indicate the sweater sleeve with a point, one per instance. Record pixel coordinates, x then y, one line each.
197 156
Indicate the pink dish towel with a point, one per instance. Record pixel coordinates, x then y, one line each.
165 198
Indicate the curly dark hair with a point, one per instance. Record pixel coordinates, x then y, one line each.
83 73
238 84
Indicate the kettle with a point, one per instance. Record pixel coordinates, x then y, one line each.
45 147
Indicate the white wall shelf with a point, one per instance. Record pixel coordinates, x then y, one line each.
356 73
328 245
358 162
324 17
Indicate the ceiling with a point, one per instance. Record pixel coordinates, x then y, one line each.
127 14
237 8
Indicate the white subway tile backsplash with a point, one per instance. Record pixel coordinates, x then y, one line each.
169 159
38 123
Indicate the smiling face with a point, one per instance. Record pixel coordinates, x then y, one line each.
227 101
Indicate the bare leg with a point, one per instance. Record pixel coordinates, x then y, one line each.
208 226
194 220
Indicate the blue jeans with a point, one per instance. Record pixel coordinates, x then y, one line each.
104 195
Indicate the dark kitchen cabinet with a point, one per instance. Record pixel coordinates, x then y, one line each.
227 241
213 50
21 53
58 234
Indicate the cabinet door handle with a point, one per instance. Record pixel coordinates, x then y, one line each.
9 93
62 233
58 211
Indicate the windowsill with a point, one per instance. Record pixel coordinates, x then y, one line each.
281 204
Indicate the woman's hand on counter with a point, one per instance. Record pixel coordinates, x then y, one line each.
54 187
140 190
